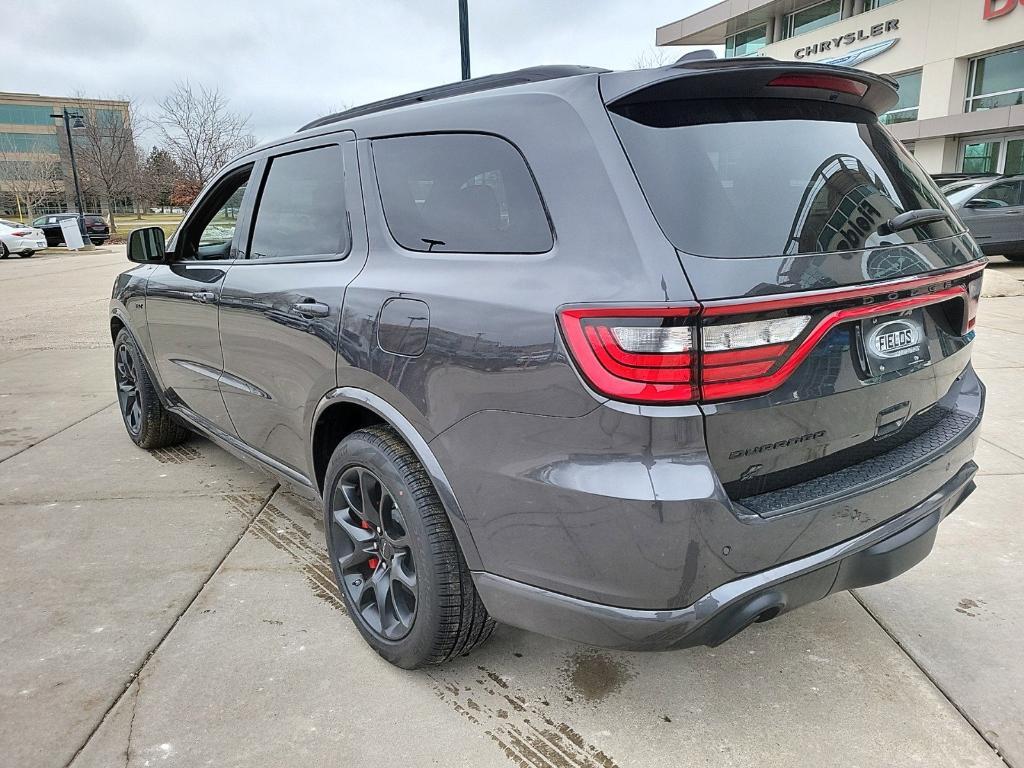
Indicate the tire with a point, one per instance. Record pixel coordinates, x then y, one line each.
1015 257
4 253
148 423
97 240
447 617
28 254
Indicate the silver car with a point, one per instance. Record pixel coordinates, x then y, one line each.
993 209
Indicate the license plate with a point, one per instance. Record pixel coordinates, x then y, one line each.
894 342
40 243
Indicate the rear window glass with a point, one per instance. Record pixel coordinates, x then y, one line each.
735 178
465 193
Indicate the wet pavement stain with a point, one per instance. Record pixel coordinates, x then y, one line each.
274 526
528 736
968 606
594 675
176 454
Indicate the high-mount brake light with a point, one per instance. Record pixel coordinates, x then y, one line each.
824 82
722 351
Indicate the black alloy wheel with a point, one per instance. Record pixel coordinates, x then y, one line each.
371 542
126 374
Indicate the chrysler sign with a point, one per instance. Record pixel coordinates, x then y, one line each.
836 44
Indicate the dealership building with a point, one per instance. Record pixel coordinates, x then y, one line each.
959 63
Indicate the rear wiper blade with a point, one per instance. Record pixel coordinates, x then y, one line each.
912 219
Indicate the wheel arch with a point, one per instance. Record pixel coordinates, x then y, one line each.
347 409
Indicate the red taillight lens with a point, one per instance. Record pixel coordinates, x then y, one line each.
739 348
973 299
21 233
637 354
824 82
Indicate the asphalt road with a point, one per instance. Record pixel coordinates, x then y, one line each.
177 608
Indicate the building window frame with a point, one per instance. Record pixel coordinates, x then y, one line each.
903 111
788 21
1000 139
973 76
871 5
736 34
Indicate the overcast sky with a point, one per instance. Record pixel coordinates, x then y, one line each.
288 61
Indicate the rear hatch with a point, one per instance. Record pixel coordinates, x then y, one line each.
835 288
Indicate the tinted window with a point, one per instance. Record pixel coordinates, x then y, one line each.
773 177
211 230
460 193
302 207
1005 194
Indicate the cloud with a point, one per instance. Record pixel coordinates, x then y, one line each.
284 63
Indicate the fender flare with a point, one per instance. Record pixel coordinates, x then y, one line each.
395 419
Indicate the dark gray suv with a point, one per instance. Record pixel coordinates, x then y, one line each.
632 358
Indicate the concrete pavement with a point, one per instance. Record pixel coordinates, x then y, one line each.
177 608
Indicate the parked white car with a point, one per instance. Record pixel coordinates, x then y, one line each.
20 239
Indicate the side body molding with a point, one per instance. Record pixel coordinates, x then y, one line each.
419 446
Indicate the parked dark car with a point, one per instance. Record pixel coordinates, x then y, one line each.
993 210
95 226
632 358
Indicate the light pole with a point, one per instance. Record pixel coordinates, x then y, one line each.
79 123
464 36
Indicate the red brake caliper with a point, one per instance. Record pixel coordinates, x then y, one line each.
373 562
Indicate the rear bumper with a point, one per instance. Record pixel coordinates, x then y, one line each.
872 557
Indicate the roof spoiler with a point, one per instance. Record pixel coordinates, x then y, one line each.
696 76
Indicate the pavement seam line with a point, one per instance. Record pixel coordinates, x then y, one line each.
996 445
136 675
59 431
931 678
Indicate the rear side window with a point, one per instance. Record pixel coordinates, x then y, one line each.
771 177
301 210
466 193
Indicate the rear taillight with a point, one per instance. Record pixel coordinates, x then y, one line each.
973 299
822 82
21 233
637 354
727 350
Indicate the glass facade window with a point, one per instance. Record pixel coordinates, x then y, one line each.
910 98
25 114
996 81
993 154
29 142
870 5
814 17
746 43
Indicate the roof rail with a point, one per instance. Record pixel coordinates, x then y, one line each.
474 85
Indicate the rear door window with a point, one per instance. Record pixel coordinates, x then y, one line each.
467 193
301 209
771 177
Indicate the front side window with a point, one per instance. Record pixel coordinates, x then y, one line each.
910 98
1004 194
466 193
996 81
210 232
746 43
815 17
301 210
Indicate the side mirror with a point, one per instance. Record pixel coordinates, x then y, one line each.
982 203
146 245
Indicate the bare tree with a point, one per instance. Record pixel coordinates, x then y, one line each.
652 58
200 132
31 177
107 152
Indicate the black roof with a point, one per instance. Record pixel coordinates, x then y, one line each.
473 85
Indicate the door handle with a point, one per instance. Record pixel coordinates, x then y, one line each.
204 297
311 309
